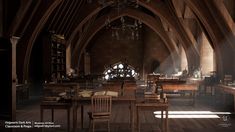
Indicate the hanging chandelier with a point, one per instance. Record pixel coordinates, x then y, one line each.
103 2
124 29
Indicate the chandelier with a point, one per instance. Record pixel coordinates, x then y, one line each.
104 2
123 28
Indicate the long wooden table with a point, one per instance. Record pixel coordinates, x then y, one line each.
181 87
228 89
53 106
80 101
22 92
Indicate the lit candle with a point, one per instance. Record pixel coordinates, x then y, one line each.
158 97
164 95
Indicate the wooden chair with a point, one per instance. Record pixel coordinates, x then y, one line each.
228 79
100 110
208 84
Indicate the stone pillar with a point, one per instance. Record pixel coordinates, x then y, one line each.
68 58
14 40
183 59
207 56
87 63
1 18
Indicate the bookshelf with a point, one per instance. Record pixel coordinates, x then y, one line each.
54 57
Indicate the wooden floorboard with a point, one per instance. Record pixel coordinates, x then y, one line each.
120 117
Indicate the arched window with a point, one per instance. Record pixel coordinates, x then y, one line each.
119 71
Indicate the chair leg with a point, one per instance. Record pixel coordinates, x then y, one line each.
93 126
108 126
89 127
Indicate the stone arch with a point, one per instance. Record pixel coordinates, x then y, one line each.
162 9
35 34
147 20
203 14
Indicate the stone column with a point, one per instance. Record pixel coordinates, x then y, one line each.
14 40
1 18
87 63
183 59
68 58
207 56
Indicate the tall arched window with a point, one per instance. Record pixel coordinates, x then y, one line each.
119 71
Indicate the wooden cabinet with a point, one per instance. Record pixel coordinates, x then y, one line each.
54 57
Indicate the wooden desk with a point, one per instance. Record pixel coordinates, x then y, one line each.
56 105
162 81
53 89
228 89
22 92
181 87
120 99
153 106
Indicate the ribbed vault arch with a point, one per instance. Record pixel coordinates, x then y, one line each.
154 24
161 9
35 34
214 32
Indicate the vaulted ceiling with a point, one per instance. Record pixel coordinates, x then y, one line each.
80 20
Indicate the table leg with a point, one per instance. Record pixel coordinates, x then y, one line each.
162 119
166 121
75 107
194 97
233 102
68 120
41 114
132 116
205 86
82 116
137 119
52 115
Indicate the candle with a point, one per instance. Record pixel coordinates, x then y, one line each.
165 100
158 97
164 95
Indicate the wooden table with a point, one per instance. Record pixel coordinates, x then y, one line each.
181 87
22 92
153 106
228 89
120 99
53 89
56 105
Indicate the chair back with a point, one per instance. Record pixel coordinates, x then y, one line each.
101 105
228 79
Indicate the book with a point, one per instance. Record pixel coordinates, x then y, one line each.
85 93
100 93
110 93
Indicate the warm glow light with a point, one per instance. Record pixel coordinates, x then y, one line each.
106 77
188 116
191 114
120 65
133 72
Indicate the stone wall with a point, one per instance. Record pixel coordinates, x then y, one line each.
148 54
